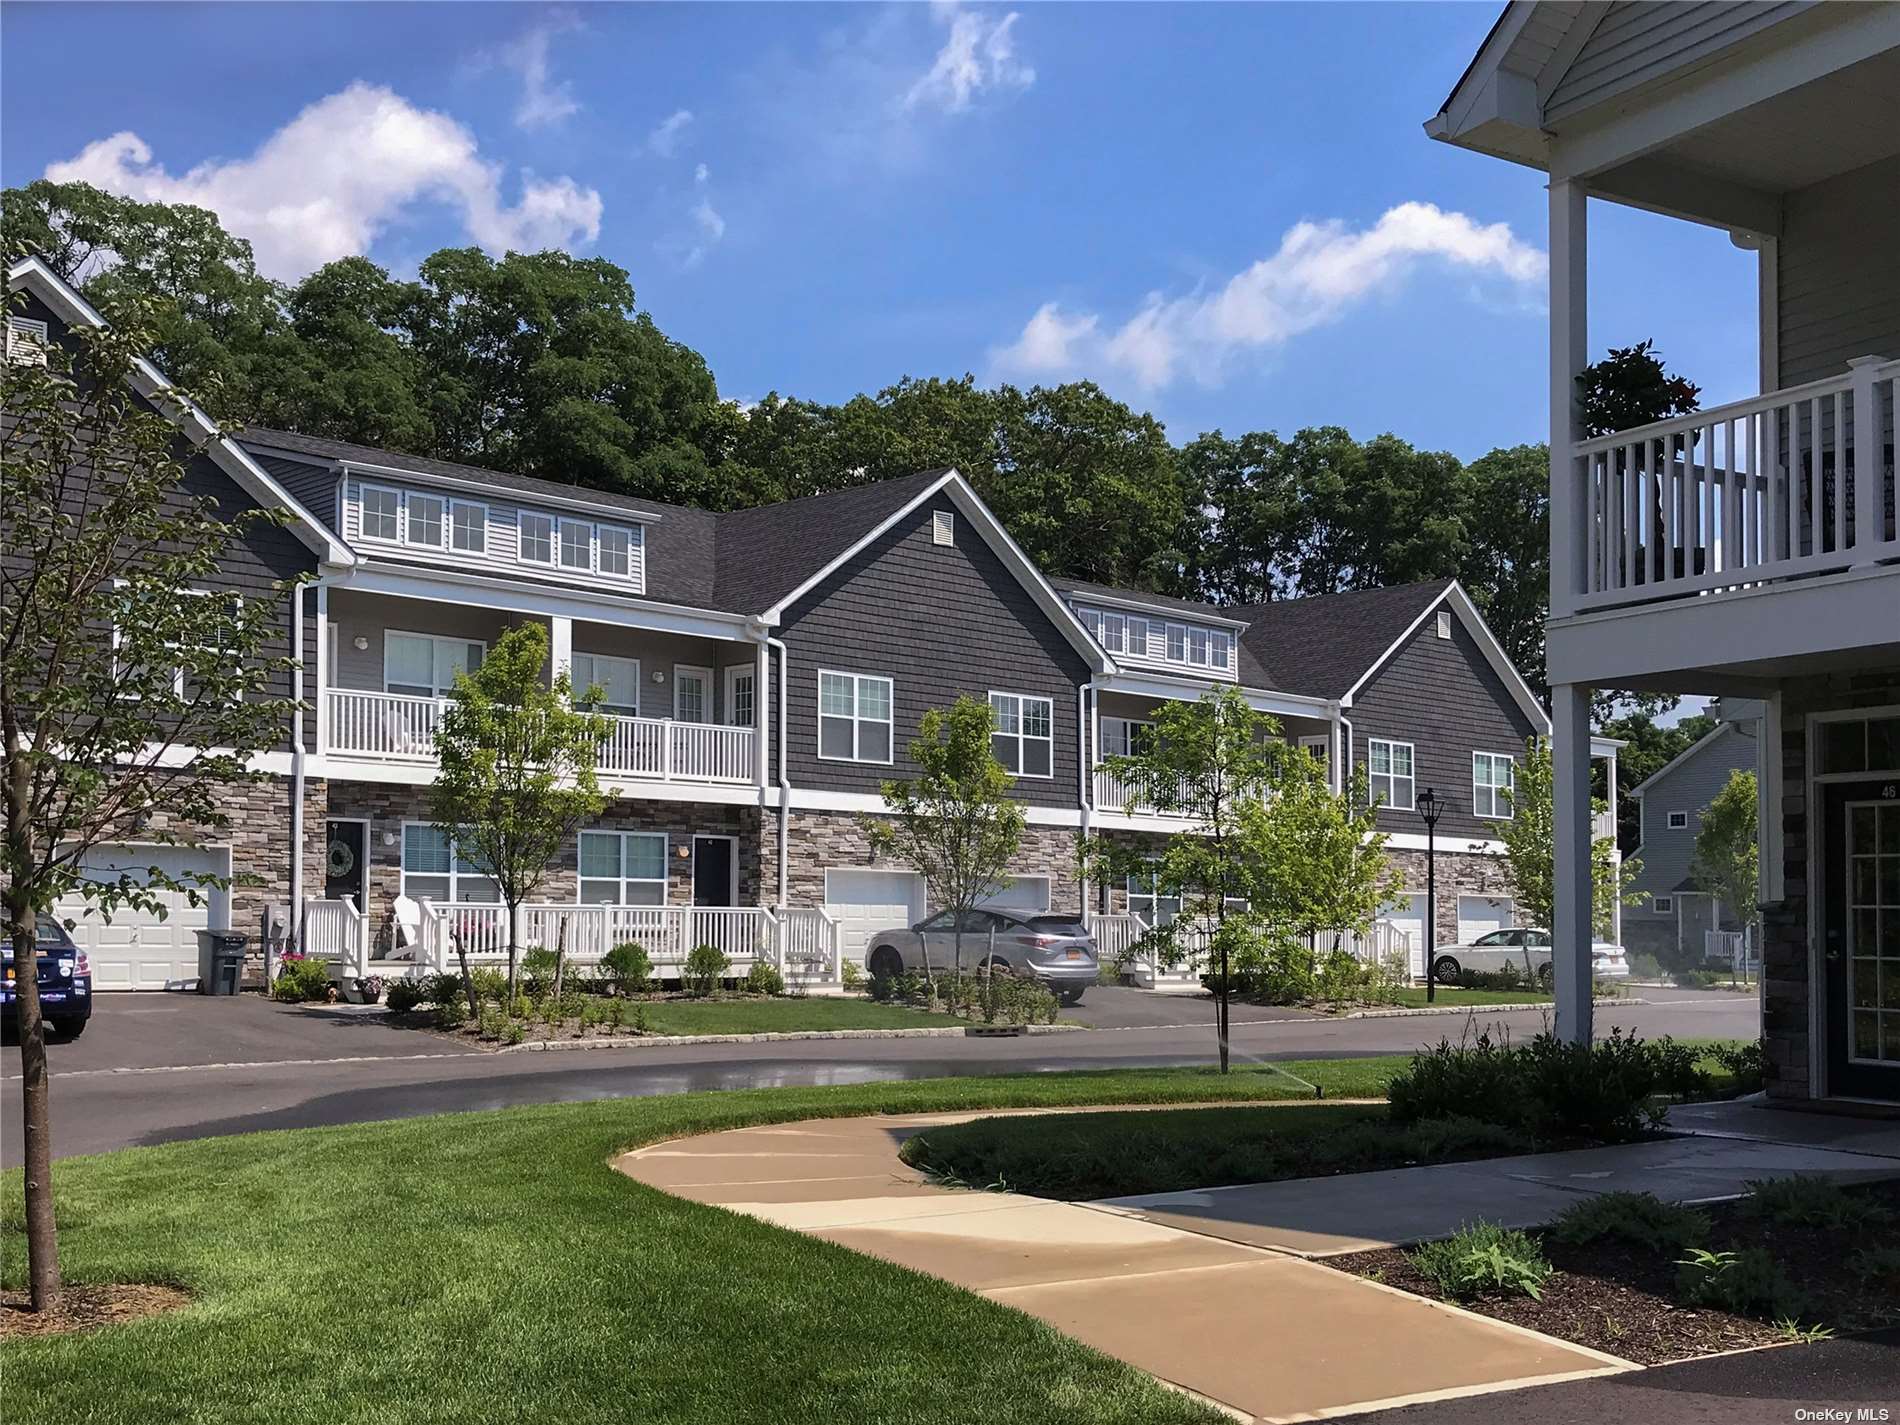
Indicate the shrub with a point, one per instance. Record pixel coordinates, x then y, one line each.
639 1019
1806 1201
403 996
451 1013
492 1024
628 968
301 979
574 1006
523 1008
490 983
1478 1078
514 1032
1746 1063
853 976
537 972
1748 1283
439 989
705 967
616 1014
763 979
1639 1218
1505 977
1695 979
1484 1259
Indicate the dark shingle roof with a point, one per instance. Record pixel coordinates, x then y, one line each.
769 550
1323 645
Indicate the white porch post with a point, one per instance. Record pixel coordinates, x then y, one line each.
1869 502
325 674
1571 931
761 701
1616 904
1569 354
560 646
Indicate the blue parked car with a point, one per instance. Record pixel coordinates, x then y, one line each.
65 982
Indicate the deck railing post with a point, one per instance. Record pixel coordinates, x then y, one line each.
1869 458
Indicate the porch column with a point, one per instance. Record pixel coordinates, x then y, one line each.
1571 931
1616 905
325 674
1569 354
761 701
560 646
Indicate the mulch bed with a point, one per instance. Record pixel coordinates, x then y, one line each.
84 1308
1620 1299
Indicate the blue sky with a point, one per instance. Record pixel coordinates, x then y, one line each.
1226 214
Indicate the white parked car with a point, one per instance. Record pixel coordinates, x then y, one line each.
1526 948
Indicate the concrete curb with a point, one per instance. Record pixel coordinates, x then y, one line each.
1478 1008
669 1041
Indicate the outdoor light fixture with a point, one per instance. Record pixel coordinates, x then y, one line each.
1430 808
359 643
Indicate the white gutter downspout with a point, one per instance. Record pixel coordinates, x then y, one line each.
1083 767
1345 761
296 784
784 770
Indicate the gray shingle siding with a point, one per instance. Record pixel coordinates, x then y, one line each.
1839 288
1687 787
938 621
312 486
1443 697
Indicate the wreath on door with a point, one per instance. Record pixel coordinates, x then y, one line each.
341 860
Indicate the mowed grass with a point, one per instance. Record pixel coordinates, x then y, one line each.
1091 1155
1413 997
784 1016
493 1266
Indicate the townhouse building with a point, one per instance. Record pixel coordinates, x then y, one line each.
763 671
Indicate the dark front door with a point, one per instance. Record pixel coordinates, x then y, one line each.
712 870
345 853
1860 935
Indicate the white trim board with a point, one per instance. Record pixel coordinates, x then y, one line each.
32 273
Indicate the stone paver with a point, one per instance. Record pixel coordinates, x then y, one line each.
1265 1334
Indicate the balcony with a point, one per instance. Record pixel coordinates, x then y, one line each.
1797 484
1116 794
400 728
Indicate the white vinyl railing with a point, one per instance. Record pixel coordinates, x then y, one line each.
806 948
336 931
1602 826
1736 948
398 727
1380 943
1117 935
1796 482
1119 794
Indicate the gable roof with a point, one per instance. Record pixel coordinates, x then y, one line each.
32 273
1328 644
1682 758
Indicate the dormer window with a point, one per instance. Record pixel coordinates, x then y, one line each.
468 527
425 520
1157 640
537 538
615 551
577 545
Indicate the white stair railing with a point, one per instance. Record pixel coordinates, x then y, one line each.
335 930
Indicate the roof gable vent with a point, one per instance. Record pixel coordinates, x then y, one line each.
943 527
1444 623
26 341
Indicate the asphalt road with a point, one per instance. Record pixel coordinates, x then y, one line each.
157 1068
1780 1386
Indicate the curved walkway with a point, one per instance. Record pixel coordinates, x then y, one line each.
1264 1332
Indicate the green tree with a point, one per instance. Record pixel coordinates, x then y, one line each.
1530 849
1506 565
1727 862
1209 763
956 823
1375 514
116 676
1244 517
1323 855
517 777
1648 748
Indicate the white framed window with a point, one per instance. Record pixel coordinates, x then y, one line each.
1220 649
423 514
1177 643
537 538
1145 899
1124 736
1092 621
742 705
616 551
1664 905
468 527
432 868
1319 746
692 694
215 633
1389 771
854 717
1137 636
1024 739
1197 647
1114 632
617 678
381 513
622 868
577 545
1678 820
1492 780
424 665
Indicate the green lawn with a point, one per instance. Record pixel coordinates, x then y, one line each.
782 1016
491 1266
1088 1155
1413 997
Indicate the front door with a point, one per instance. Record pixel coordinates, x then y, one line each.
712 871
1861 938
346 852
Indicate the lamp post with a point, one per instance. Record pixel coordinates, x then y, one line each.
1430 808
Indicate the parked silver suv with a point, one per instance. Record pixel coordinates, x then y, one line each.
1055 949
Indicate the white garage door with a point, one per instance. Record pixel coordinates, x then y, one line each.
1480 915
863 902
1407 914
1023 893
138 949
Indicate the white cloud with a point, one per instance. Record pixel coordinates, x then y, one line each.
329 182
701 173
1318 273
979 54
666 134
543 101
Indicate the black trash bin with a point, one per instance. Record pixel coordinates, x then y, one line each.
220 961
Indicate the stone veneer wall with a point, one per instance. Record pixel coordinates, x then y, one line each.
389 805
1786 989
821 841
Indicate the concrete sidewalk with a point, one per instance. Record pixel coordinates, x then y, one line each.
1263 1333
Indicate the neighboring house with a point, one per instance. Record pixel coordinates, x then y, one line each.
1675 912
1749 550
765 671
